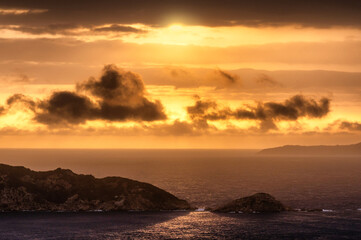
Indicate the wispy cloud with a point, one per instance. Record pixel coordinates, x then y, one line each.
19 11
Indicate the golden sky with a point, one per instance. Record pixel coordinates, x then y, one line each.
179 74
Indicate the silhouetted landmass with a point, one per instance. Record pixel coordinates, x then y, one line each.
22 189
259 202
354 149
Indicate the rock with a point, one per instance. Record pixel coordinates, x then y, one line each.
22 189
257 203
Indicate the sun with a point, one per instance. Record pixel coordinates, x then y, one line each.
176 27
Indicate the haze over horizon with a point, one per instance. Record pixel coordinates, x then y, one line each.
179 74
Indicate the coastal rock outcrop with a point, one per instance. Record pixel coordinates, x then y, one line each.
22 189
259 202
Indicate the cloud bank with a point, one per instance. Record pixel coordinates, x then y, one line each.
256 13
116 96
267 113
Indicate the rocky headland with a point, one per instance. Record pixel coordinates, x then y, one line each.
22 189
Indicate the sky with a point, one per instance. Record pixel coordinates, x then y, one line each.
179 74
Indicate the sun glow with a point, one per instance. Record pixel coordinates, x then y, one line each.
178 34
176 27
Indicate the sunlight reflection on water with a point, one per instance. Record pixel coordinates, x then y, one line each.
180 225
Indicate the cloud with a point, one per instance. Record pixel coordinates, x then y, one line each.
267 113
182 77
15 79
55 28
2 110
350 126
116 86
20 98
14 11
79 55
122 96
296 107
321 13
66 107
266 125
265 80
230 78
71 29
118 96
119 28
22 79
344 126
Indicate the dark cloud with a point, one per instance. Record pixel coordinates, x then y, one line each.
266 125
2 110
230 78
116 86
66 107
265 80
119 96
20 98
296 107
267 113
351 126
201 106
68 29
119 28
320 13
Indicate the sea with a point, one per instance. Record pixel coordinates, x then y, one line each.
206 179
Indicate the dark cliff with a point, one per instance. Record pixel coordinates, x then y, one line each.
22 189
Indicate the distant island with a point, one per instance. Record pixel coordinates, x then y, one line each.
22 189
353 149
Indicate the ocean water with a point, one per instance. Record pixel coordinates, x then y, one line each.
206 178
179 225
